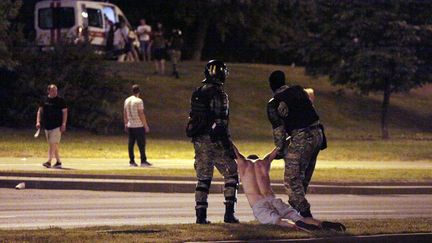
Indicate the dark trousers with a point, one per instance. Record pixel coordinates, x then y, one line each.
138 135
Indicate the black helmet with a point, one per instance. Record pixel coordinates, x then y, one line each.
215 72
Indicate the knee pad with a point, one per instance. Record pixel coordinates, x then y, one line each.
203 186
230 190
232 181
201 205
201 193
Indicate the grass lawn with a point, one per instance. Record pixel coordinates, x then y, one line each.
14 143
351 120
345 113
213 232
397 160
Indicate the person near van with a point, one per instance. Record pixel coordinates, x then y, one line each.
109 32
119 43
133 55
158 49
52 113
144 32
136 125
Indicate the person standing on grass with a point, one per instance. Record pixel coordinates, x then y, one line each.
158 45
208 128
291 113
144 32
53 114
136 126
175 47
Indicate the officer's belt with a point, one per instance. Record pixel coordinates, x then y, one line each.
315 125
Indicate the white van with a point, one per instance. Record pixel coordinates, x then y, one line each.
74 20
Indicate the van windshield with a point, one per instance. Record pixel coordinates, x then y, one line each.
55 18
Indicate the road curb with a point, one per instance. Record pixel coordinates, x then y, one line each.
180 186
185 178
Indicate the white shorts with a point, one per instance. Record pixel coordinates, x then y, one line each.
54 135
265 213
284 210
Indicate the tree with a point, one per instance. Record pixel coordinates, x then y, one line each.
379 46
91 91
258 24
255 25
8 11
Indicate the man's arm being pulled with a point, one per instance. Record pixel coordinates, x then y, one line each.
272 155
311 94
237 152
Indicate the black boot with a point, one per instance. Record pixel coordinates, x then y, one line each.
201 214
229 214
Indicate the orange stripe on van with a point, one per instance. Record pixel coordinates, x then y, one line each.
96 34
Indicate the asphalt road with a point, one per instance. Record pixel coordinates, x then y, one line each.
70 208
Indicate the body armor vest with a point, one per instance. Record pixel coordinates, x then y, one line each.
301 112
200 117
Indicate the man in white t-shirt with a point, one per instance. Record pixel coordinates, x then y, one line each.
136 125
144 31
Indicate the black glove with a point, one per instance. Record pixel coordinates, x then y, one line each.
279 155
281 152
218 133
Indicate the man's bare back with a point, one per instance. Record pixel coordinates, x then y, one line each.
255 178
254 174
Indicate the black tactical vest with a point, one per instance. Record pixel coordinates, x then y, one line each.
200 117
301 113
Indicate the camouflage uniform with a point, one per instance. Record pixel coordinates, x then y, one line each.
299 153
209 154
213 152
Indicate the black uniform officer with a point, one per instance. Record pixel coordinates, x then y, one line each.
291 112
208 128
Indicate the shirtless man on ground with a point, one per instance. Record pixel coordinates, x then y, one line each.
267 209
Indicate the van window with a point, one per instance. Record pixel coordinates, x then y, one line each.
50 18
110 13
95 17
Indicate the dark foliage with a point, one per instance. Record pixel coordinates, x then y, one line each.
370 45
91 94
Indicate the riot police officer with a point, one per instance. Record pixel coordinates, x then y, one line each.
208 128
292 113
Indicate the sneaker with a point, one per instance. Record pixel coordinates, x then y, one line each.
145 164
47 164
57 165
133 164
326 225
306 227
